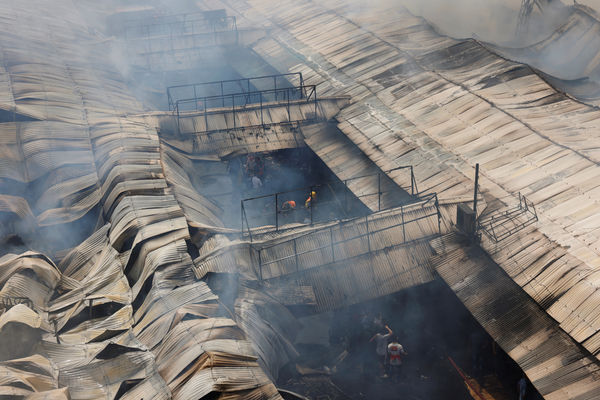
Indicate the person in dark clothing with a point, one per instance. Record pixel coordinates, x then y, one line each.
522 387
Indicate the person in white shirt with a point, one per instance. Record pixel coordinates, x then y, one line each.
381 348
256 183
395 353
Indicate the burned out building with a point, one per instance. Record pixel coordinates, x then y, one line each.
149 150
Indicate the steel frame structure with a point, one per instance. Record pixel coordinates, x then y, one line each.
425 202
180 24
503 224
241 85
194 31
412 191
245 101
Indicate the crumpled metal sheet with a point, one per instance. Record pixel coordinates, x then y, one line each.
116 311
270 326
198 209
33 377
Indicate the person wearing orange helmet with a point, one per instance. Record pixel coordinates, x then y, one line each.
312 198
288 205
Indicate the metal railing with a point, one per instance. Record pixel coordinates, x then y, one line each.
269 207
500 225
241 102
175 33
178 24
197 91
180 28
8 302
329 245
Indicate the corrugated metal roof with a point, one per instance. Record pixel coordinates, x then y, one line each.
441 105
393 257
416 98
347 162
365 276
100 325
555 364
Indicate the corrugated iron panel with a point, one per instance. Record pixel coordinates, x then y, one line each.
554 363
99 321
444 105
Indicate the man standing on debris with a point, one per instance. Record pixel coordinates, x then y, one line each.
381 339
395 352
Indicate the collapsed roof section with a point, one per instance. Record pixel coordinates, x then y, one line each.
128 312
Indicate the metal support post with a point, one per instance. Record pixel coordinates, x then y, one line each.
276 212
262 122
315 93
439 215
368 234
475 196
233 105
378 191
521 202
412 181
403 228
244 216
206 119
331 242
346 196
288 106
296 254
260 264
222 94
